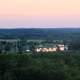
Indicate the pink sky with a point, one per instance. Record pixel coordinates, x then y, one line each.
39 13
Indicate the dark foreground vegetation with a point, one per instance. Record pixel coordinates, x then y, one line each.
16 64
41 66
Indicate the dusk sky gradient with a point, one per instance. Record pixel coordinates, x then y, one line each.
39 13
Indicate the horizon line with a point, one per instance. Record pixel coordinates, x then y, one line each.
43 28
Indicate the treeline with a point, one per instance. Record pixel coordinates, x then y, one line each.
52 34
47 66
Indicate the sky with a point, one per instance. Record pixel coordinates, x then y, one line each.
39 13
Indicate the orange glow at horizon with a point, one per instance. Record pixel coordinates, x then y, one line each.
18 8
39 13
